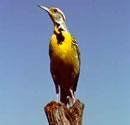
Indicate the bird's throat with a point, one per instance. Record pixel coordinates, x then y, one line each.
59 36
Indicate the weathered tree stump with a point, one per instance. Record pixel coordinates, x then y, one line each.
59 114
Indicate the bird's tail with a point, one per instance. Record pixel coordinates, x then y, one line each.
65 95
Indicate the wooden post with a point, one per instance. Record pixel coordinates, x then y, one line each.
59 114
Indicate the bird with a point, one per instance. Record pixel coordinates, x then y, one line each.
64 56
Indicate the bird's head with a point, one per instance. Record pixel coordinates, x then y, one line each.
56 15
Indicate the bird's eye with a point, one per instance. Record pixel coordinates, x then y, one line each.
55 10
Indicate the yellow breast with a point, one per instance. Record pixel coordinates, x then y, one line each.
64 50
64 58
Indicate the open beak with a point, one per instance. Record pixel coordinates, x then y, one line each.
44 8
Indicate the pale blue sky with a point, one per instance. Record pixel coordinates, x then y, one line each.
102 29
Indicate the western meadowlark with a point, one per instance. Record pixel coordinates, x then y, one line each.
64 56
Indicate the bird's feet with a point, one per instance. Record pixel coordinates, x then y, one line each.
57 97
72 99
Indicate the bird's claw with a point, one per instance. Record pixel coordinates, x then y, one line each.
71 100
